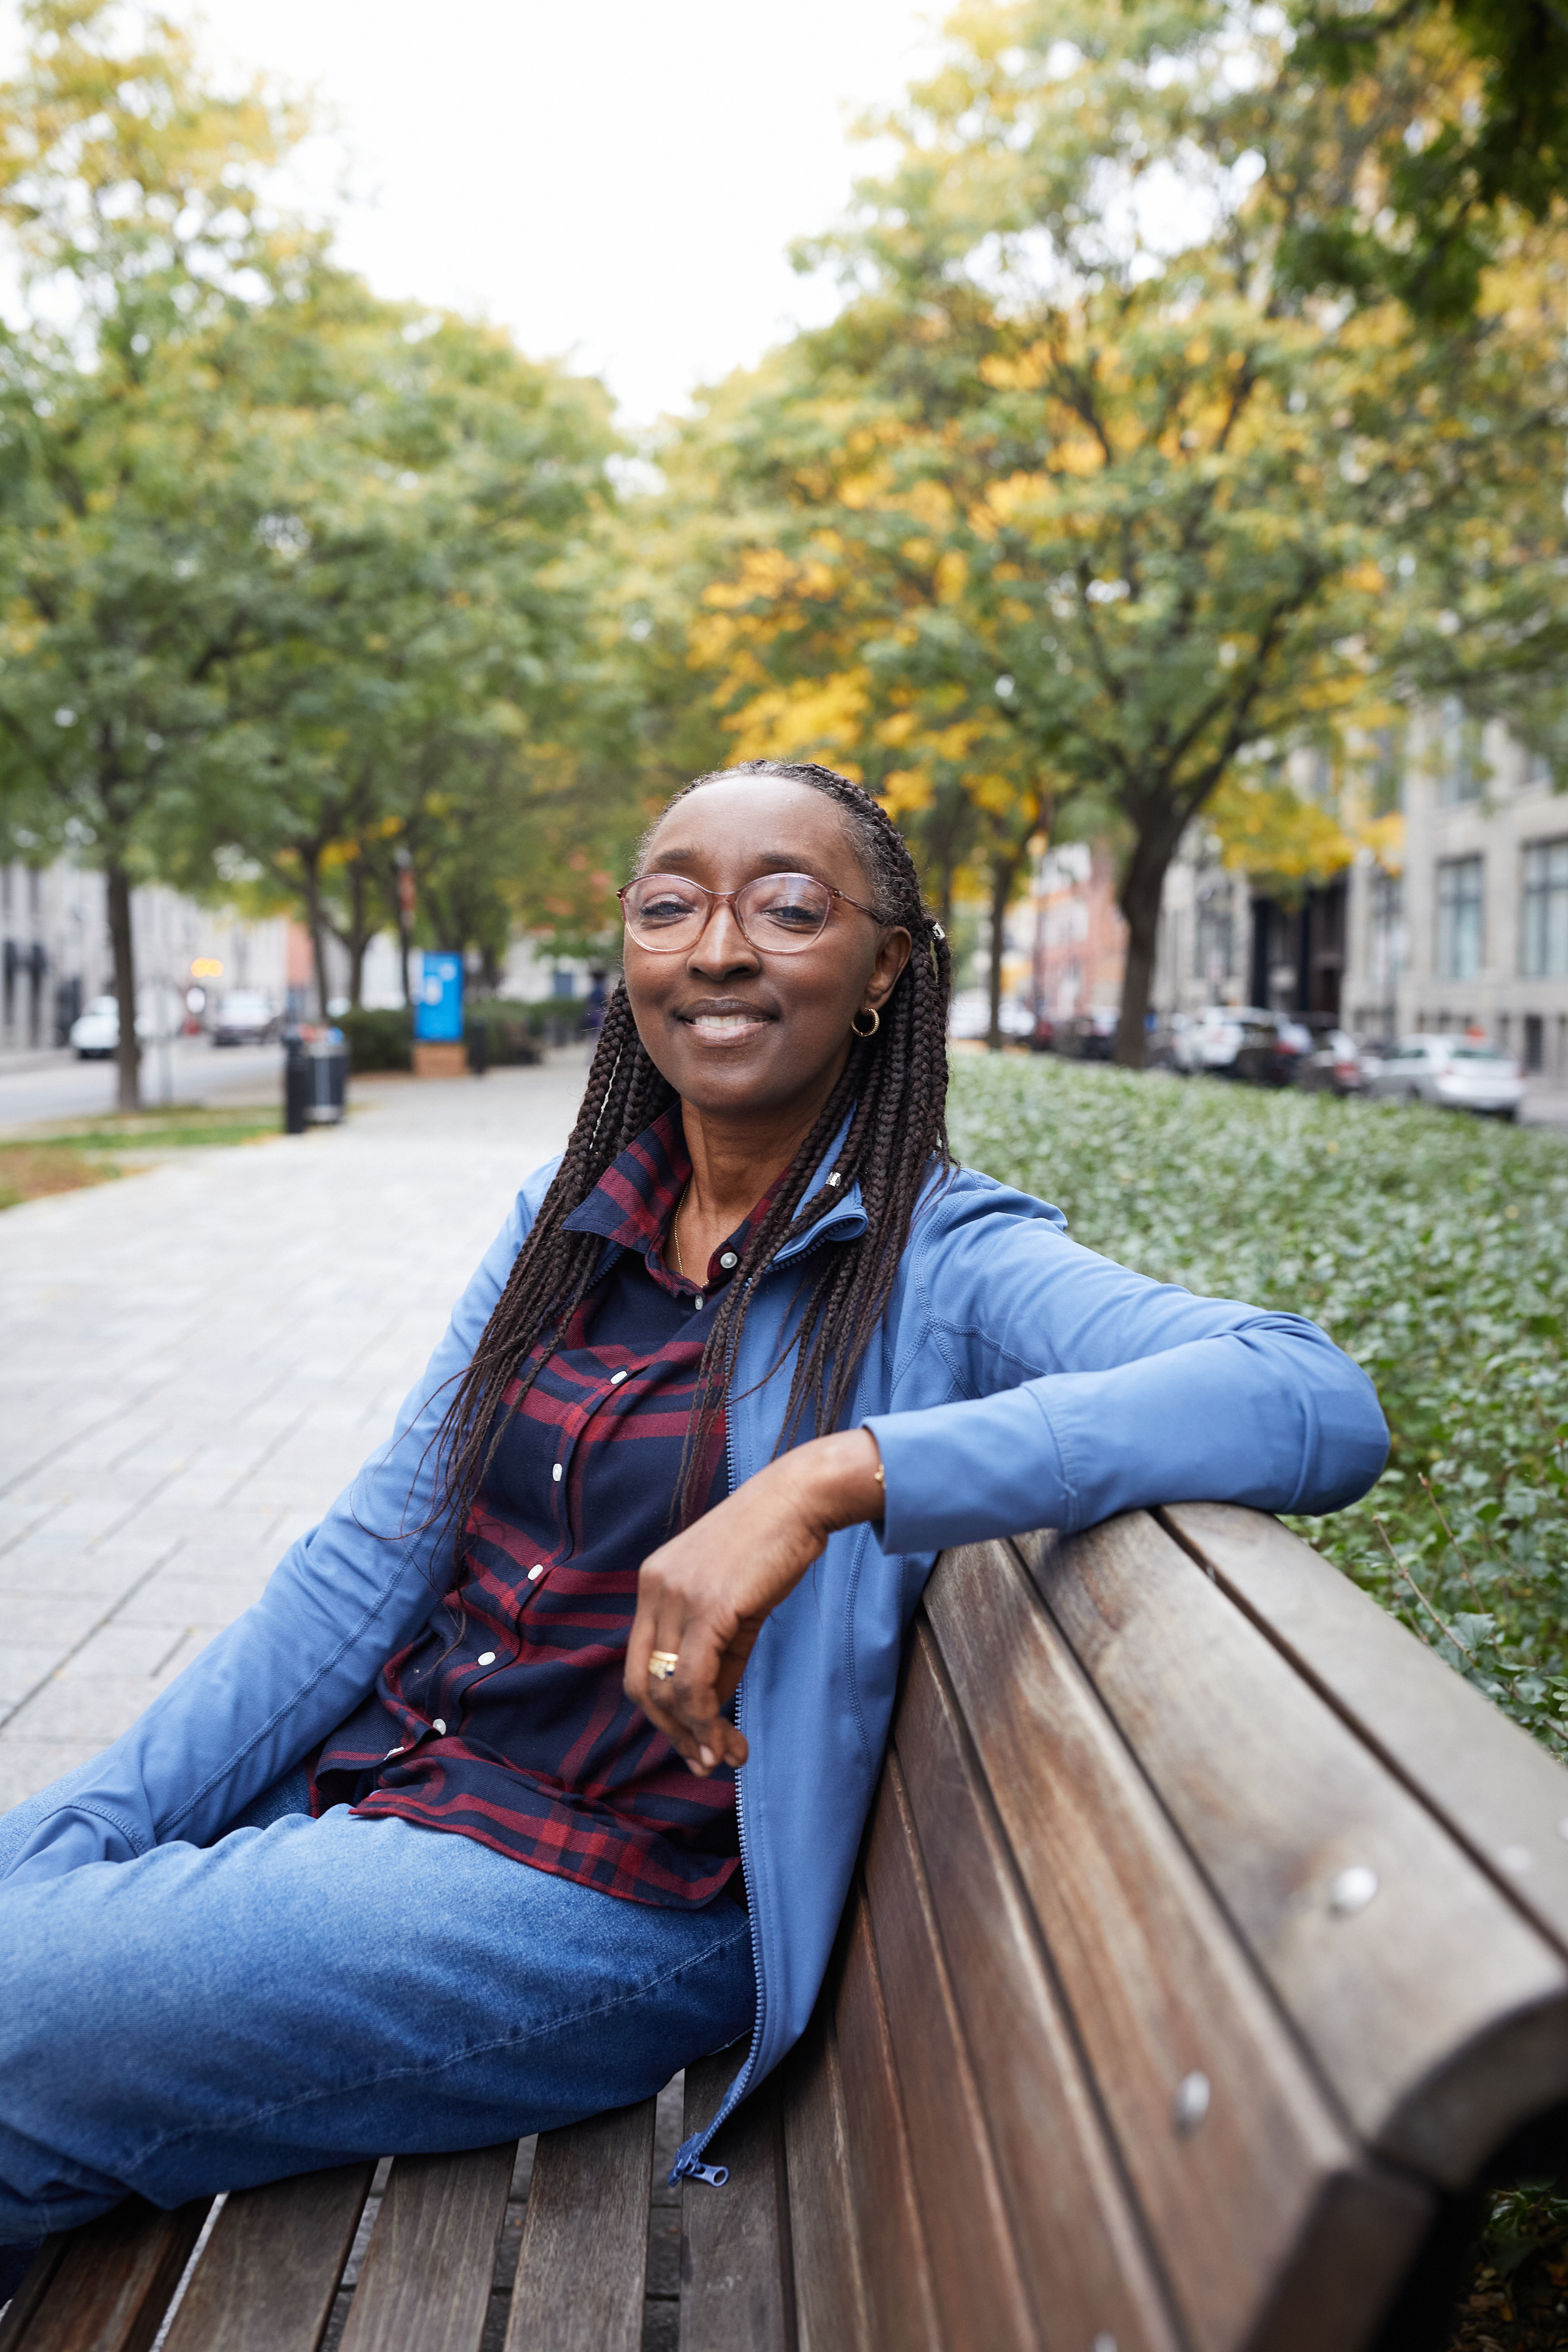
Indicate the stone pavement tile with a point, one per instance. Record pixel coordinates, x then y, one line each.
192 1643
122 1649
59 1617
28 1765
77 1523
194 1600
23 1666
69 1708
106 1576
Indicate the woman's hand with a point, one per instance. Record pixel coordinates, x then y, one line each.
703 1597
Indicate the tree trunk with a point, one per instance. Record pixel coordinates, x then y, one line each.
316 923
123 950
1143 887
1004 873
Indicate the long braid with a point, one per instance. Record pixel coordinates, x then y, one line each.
893 1092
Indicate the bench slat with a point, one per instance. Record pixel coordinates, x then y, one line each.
736 2287
830 2302
901 2307
427 2269
975 2271
1076 2234
114 2282
272 2266
1498 1789
583 2267
1436 2011
1171 2016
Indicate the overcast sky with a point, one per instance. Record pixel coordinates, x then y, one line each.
616 179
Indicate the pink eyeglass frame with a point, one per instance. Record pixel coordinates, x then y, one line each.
728 898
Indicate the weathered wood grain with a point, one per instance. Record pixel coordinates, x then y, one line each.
737 2290
270 2271
1233 2152
1436 2012
583 2267
114 2280
30 2293
1499 1791
969 2238
1079 2241
831 2310
426 2282
901 2307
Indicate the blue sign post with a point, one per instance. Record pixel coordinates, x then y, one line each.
438 1002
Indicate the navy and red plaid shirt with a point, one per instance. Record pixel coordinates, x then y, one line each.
505 1720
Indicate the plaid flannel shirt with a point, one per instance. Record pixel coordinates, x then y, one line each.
505 1719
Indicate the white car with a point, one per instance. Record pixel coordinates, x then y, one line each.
1457 1072
969 1015
245 1017
1211 1039
95 1034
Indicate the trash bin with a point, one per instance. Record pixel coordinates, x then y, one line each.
315 1078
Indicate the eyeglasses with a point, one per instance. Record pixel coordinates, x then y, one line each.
779 913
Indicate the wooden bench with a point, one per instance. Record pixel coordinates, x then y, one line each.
1208 1944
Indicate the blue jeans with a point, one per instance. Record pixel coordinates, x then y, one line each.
305 1992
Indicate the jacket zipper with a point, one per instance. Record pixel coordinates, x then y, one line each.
688 2163
688 2156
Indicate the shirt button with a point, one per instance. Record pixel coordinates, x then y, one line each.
438 1725
535 1573
696 1302
555 1474
729 1261
486 1658
390 1754
616 1378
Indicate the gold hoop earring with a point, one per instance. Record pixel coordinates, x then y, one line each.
874 1016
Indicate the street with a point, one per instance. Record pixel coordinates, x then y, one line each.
35 1087
195 1360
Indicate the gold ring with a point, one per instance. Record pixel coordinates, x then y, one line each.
661 1664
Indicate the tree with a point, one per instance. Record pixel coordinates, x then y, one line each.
1117 477
1490 142
127 490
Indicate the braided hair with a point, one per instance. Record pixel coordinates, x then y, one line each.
893 1092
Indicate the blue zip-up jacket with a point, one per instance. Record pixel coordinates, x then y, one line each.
1019 1381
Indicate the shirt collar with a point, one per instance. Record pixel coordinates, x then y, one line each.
636 1197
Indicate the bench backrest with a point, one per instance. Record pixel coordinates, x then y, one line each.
1209 1934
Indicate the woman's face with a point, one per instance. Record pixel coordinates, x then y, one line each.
735 1029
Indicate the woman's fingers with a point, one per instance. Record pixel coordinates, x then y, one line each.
686 1699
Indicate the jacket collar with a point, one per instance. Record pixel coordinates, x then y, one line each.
632 1201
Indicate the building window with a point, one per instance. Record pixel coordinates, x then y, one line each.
1388 928
1459 755
1386 777
1213 940
1544 933
1534 1043
1460 924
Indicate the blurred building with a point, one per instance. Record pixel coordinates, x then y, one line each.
1080 937
54 955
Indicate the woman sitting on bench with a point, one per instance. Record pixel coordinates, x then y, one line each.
448 1838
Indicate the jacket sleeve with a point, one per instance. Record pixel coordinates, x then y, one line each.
1077 1389
273 1684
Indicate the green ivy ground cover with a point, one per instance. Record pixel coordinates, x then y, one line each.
1433 1247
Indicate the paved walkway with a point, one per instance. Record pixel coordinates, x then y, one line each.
194 1360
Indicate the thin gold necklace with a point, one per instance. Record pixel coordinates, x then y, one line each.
674 1232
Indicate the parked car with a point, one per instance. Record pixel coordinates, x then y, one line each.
1457 1073
94 1035
1087 1036
1212 1040
1334 1065
1042 1035
245 1017
969 1015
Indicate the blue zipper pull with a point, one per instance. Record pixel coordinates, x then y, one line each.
689 2167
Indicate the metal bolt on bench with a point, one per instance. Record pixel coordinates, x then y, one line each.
1190 1980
